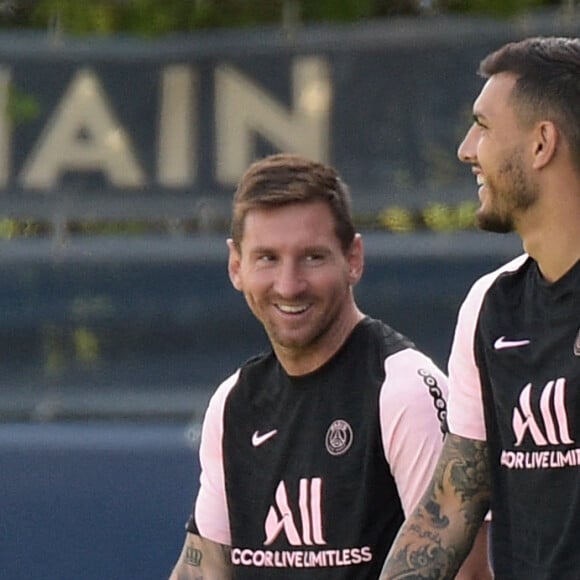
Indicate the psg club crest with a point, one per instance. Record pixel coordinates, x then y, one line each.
338 437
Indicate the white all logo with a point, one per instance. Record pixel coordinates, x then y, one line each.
281 517
553 412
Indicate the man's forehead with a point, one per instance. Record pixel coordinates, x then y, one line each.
295 214
494 95
299 226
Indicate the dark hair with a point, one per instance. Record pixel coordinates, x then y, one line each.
548 82
285 179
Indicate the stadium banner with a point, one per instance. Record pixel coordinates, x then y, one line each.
164 128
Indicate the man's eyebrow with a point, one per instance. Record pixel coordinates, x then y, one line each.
316 249
261 250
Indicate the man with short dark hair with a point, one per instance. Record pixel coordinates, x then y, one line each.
514 369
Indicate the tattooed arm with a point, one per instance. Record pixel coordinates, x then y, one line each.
436 538
202 559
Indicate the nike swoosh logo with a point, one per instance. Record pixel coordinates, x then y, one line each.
258 439
502 342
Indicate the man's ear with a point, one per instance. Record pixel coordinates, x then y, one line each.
356 260
234 265
546 137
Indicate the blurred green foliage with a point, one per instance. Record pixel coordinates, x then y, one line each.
161 17
398 219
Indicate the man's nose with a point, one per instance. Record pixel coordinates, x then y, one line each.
466 149
289 280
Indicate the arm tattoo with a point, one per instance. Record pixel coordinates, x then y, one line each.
193 556
464 470
438 535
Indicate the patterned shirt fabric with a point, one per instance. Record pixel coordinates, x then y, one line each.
514 380
311 476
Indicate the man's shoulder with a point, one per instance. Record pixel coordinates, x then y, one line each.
258 369
256 364
260 363
481 287
515 265
386 339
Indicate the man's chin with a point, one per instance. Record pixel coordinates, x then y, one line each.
290 342
493 223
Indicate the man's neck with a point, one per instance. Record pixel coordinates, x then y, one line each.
554 242
298 362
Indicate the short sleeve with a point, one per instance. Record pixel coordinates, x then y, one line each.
466 417
465 404
413 421
210 516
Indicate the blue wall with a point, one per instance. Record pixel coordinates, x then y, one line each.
99 501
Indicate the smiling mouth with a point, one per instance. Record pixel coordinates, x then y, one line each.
291 308
481 183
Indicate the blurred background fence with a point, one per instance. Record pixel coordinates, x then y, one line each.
118 158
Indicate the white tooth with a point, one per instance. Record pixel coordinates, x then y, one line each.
480 180
291 309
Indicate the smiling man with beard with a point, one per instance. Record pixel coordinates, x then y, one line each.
514 368
313 452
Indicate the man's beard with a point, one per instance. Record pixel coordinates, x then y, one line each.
514 194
